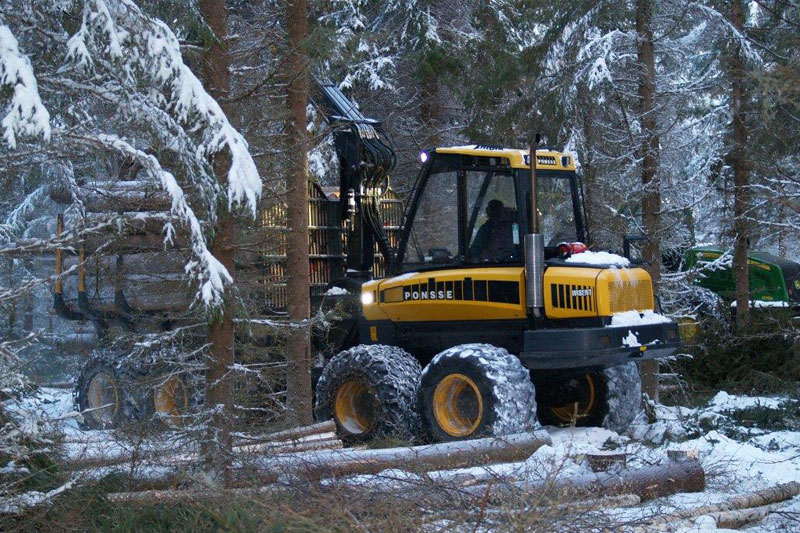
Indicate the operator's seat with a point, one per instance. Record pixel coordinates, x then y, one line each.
501 237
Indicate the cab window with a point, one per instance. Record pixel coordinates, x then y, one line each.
494 224
434 236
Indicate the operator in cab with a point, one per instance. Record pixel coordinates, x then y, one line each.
494 238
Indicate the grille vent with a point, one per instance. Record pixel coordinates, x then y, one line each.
566 296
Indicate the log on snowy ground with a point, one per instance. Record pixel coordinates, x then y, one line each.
57 385
759 499
448 455
328 426
329 464
712 521
739 518
647 483
326 441
121 455
277 463
167 496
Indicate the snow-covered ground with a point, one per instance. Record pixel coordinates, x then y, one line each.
737 454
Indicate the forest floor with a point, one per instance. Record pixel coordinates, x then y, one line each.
744 443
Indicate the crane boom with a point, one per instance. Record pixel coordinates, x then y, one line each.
366 160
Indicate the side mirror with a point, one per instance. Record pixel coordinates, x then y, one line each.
626 248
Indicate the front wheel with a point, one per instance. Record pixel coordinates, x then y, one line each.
370 391
476 390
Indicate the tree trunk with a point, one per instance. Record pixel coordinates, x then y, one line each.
298 379
10 307
651 183
430 108
589 171
738 161
219 380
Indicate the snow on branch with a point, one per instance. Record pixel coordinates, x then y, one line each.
152 56
749 53
26 116
15 219
602 49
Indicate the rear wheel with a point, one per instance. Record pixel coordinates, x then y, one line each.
100 393
171 386
100 399
171 399
370 391
476 390
609 398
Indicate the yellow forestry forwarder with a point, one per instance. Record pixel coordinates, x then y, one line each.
492 317
484 313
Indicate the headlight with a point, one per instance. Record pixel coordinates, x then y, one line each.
367 298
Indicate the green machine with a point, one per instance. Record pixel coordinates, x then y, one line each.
774 281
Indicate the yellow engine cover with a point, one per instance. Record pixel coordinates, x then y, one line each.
498 293
576 292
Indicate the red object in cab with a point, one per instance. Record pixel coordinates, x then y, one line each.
566 249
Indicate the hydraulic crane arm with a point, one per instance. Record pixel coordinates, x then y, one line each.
366 160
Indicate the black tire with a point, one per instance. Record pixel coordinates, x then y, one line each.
370 391
102 382
609 398
475 390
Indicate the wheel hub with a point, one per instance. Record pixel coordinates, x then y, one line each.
170 399
584 395
355 407
103 398
457 405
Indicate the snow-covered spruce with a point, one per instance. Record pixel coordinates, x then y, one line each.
507 393
381 382
26 116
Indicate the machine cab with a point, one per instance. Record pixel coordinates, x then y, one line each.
470 207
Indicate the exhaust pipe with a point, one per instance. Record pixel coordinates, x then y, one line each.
534 247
